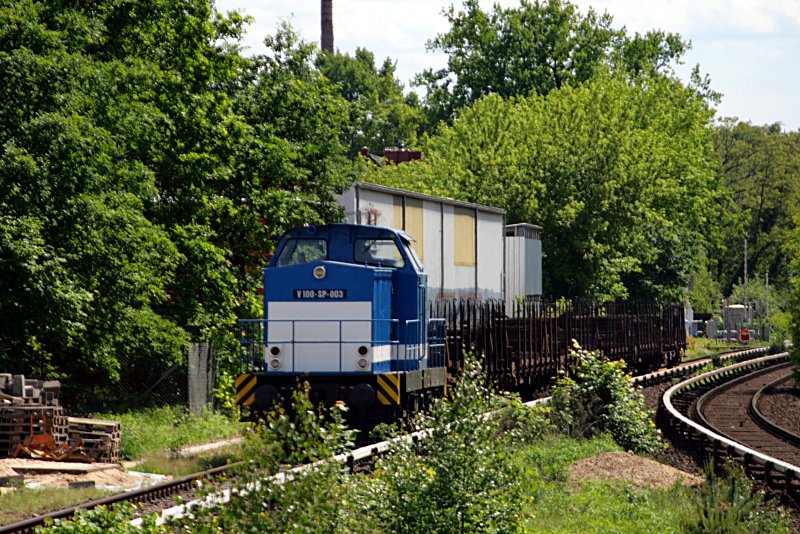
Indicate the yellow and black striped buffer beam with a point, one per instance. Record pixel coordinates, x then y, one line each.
245 386
389 388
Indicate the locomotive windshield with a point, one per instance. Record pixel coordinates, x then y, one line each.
383 252
303 250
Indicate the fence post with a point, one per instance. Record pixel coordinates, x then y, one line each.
200 356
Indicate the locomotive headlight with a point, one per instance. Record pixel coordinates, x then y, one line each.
362 350
275 350
274 364
319 272
363 363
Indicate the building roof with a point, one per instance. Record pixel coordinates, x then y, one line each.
421 196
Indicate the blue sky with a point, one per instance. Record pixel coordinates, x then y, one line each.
749 48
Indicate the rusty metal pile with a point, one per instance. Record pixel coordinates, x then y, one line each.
34 425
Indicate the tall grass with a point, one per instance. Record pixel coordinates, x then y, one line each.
169 428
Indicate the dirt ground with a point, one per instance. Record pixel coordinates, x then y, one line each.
114 477
627 467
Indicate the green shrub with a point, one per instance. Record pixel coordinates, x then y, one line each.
730 505
461 478
103 520
601 398
317 500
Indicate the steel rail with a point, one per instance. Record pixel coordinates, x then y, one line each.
700 404
764 421
686 427
147 494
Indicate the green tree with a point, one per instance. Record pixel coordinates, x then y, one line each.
146 170
604 167
380 115
760 166
534 48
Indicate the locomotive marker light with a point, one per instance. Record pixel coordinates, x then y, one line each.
319 272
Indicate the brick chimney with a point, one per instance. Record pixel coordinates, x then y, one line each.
326 42
401 155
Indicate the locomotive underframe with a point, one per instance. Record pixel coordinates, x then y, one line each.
373 397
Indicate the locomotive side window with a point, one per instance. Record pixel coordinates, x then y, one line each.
383 252
303 250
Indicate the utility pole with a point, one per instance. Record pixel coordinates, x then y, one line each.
766 307
746 307
326 42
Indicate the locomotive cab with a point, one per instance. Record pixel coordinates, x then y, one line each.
345 309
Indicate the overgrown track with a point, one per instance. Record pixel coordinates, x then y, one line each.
162 496
711 415
153 498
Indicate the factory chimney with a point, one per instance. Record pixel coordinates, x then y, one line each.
326 42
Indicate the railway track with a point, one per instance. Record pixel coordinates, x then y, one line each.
729 410
161 496
716 415
153 498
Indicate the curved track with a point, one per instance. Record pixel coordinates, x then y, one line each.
710 416
728 410
766 422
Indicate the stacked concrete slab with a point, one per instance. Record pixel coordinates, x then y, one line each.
100 438
22 420
31 407
30 391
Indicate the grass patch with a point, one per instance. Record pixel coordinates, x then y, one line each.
607 507
597 506
164 462
700 347
25 502
550 457
168 428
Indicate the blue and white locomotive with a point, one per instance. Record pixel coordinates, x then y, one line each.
345 309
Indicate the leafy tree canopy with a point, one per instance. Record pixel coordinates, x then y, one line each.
605 167
145 169
760 166
380 114
534 48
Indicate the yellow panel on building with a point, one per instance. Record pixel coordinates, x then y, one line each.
398 213
464 236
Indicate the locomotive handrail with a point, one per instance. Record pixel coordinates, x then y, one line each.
251 337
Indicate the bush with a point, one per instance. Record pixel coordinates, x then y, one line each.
316 500
103 520
460 479
601 398
730 505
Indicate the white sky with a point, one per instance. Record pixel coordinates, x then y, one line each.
750 48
